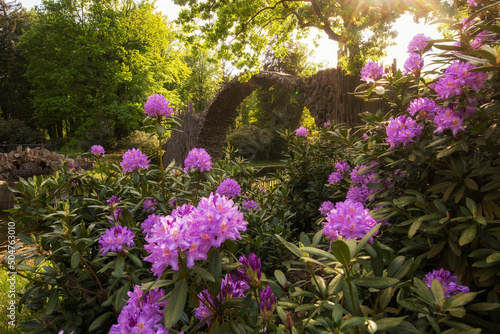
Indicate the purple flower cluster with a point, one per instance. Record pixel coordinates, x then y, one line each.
114 239
267 303
249 204
301 132
402 130
117 215
418 43
141 315
199 159
97 150
456 78
448 281
149 205
342 167
158 106
325 207
335 178
449 119
149 223
360 193
366 177
349 220
191 232
372 72
134 160
232 287
113 201
422 107
229 188
413 64
252 267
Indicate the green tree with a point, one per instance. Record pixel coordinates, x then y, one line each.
14 87
206 76
94 62
363 28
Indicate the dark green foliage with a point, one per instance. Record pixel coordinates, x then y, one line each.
14 131
14 86
251 142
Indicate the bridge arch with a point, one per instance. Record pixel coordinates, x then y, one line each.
326 94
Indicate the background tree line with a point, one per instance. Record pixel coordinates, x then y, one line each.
78 71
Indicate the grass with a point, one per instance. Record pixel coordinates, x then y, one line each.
8 292
6 298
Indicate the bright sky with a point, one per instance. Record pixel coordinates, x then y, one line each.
326 52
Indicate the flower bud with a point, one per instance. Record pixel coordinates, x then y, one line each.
379 90
267 303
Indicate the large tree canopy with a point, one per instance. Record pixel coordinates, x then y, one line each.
363 28
14 88
94 62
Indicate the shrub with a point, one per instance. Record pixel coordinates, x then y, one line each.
411 241
14 131
251 142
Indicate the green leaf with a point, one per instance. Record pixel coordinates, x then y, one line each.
495 257
459 300
337 314
97 323
471 205
351 322
175 304
366 238
160 129
493 185
414 228
471 184
395 265
468 235
423 291
341 251
388 323
318 252
483 307
119 266
280 277
53 299
437 291
376 282
31 324
291 247
75 260
413 305
203 273
135 260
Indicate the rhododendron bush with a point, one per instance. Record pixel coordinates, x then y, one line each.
391 227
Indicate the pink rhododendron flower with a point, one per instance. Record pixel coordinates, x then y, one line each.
158 106
448 281
349 220
402 130
114 239
372 72
418 44
134 160
301 132
97 150
229 188
199 159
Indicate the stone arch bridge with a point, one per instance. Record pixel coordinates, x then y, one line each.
327 95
